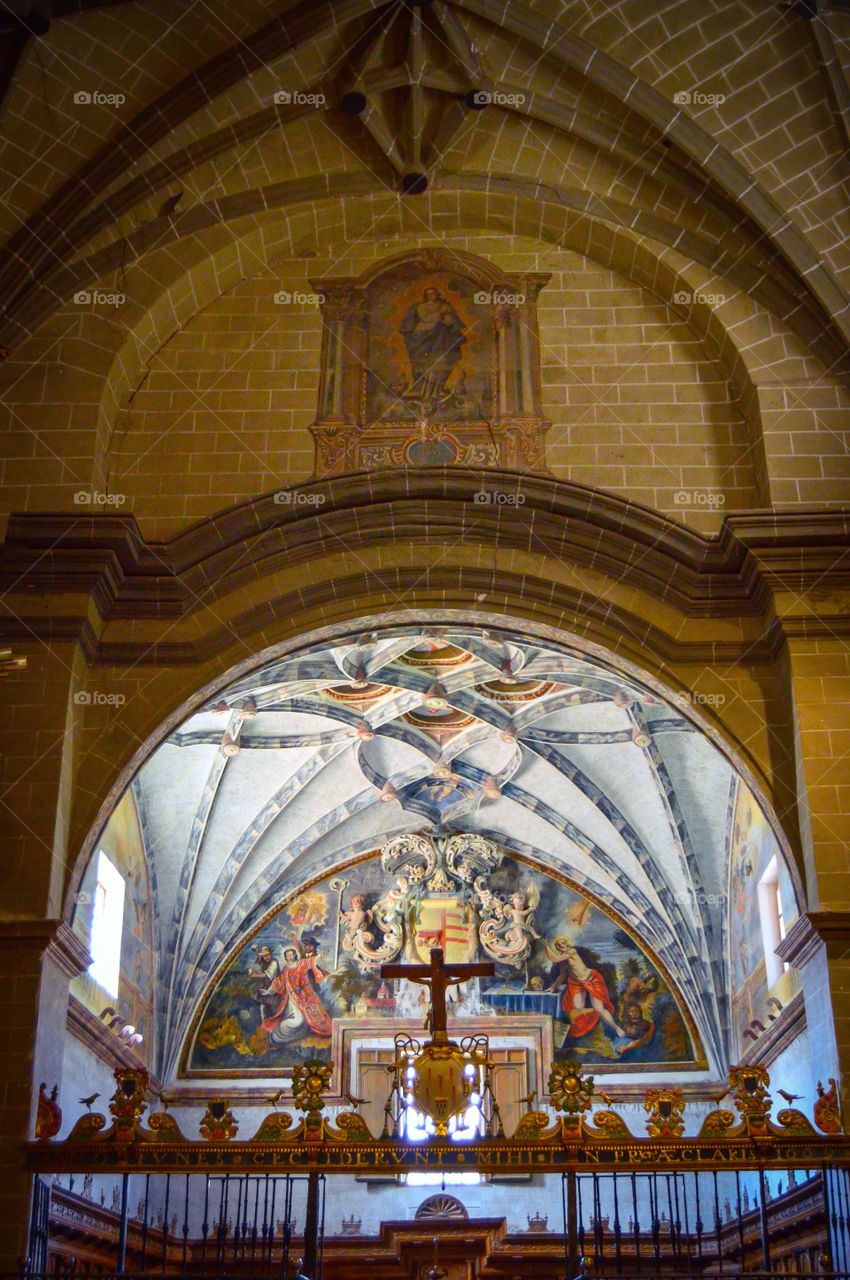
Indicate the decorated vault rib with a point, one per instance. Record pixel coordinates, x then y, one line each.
575 1137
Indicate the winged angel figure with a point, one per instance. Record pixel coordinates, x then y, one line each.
507 928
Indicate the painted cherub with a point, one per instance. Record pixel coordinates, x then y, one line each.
357 919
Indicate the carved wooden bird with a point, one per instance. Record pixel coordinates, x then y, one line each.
86 1102
529 1098
789 1097
354 1102
277 1098
606 1098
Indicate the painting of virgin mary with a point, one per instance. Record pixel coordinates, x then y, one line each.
433 334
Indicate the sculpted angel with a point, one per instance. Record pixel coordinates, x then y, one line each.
508 929
357 919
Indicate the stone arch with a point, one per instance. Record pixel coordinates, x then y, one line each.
733 348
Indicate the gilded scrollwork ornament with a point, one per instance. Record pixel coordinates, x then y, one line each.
350 1127
535 1126
607 1124
162 1127
275 1128
717 1124
827 1112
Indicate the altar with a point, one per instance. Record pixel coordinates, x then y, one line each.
520 1001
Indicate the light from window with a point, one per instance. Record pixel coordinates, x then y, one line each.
772 921
107 919
436 1178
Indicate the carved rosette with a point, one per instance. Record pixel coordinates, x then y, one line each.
665 1107
127 1104
218 1123
571 1092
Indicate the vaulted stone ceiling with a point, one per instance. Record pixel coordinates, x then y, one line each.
229 116
555 754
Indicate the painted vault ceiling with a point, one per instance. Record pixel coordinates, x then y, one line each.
319 757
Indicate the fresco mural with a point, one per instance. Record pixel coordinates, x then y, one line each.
429 351
430 358
556 955
122 843
753 848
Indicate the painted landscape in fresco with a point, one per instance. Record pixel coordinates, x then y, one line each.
556 954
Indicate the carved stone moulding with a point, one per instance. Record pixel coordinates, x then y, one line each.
430 358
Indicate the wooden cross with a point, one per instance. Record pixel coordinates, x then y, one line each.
438 976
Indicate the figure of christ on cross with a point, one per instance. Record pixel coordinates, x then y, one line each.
439 977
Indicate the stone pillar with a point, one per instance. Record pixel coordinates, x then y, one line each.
38 958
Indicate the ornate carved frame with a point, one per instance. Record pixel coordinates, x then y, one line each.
512 437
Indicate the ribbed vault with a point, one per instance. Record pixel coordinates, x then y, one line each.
433 89
554 753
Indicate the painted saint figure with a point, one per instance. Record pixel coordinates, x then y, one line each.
433 335
297 1000
268 969
585 1000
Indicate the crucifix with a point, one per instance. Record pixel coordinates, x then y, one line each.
438 976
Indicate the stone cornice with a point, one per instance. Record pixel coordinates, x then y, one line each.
779 1034
105 560
812 930
52 936
102 1042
